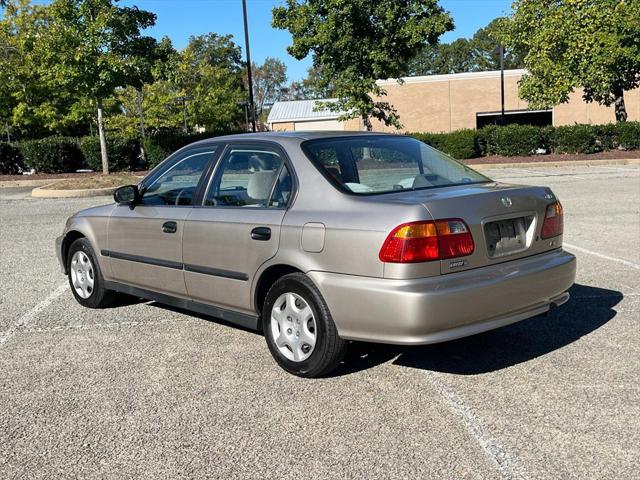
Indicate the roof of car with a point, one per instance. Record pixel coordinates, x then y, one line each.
287 135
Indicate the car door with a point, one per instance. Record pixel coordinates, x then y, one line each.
238 227
145 242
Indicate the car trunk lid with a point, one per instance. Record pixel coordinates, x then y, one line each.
504 220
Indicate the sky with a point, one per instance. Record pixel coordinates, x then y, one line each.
179 19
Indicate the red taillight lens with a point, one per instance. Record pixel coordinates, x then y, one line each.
426 241
454 237
553 224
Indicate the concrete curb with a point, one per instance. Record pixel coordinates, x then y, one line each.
44 192
568 163
24 183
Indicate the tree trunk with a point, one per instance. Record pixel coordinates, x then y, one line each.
143 155
366 123
103 140
621 110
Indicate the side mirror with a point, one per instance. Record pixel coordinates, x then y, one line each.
127 195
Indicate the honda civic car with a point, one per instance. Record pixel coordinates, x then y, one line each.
322 238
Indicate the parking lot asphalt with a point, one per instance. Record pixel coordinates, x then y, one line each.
145 391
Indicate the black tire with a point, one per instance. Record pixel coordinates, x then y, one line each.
329 349
100 297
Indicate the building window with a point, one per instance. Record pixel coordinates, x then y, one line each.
538 118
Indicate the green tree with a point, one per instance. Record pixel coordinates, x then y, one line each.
358 42
208 74
94 46
31 102
316 86
268 82
443 58
464 55
593 44
484 43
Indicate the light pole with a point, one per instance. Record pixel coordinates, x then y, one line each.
499 50
249 79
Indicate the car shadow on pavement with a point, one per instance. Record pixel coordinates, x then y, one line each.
588 309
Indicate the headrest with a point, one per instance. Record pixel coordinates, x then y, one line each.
260 183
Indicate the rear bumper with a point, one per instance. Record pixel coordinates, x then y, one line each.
437 309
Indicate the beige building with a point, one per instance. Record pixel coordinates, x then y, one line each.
443 103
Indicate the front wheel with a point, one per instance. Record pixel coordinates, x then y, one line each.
85 277
299 329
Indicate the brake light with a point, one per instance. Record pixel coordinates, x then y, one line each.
553 224
426 241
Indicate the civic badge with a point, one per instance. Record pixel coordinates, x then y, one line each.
506 201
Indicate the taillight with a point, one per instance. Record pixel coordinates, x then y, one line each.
425 241
553 224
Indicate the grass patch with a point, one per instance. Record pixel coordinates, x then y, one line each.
93 181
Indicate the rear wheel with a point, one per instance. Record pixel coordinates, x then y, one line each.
299 329
85 277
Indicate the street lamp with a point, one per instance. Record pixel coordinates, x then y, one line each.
499 50
249 79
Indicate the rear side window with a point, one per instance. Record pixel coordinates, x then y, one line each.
249 177
382 163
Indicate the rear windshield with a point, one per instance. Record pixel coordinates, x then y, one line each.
369 165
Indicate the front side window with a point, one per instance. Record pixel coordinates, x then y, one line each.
250 177
382 163
178 182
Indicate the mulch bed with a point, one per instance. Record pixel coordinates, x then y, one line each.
59 176
557 157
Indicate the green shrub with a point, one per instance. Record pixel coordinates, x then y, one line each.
606 136
512 140
11 162
53 154
575 139
123 153
628 135
163 143
460 144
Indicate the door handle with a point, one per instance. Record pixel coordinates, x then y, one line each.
261 233
169 227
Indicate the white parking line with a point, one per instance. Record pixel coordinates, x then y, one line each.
31 314
600 255
508 465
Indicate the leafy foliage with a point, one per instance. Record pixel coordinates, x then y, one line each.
512 140
461 144
268 82
164 142
11 162
628 135
358 42
575 139
31 102
520 140
53 154
124 153
466 55
588 44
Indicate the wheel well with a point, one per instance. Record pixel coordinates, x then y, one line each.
267 279
69 238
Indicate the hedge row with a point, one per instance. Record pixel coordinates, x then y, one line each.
512 140
68 154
